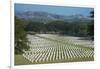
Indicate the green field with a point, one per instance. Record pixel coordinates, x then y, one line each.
20 60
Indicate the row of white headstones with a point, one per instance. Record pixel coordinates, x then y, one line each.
70 39
54 51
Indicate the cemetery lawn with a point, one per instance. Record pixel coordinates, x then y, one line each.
44 50
20 60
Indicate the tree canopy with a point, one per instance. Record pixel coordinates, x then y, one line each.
21 41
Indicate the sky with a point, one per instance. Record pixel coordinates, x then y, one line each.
60 10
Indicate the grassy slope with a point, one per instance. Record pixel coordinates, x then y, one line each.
20 60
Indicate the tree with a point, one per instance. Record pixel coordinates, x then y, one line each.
21 41
35 27
92 14
91 26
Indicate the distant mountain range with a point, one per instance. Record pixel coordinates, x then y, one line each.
48 17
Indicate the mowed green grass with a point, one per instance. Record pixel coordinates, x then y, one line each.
20 60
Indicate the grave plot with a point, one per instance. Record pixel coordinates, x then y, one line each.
69 39
45 50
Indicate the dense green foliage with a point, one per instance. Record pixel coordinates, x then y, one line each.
91 26
60 27
75 28
21 42
35 26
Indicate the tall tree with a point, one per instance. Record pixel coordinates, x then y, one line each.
91 25
21 41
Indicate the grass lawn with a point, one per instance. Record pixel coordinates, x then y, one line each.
20 60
